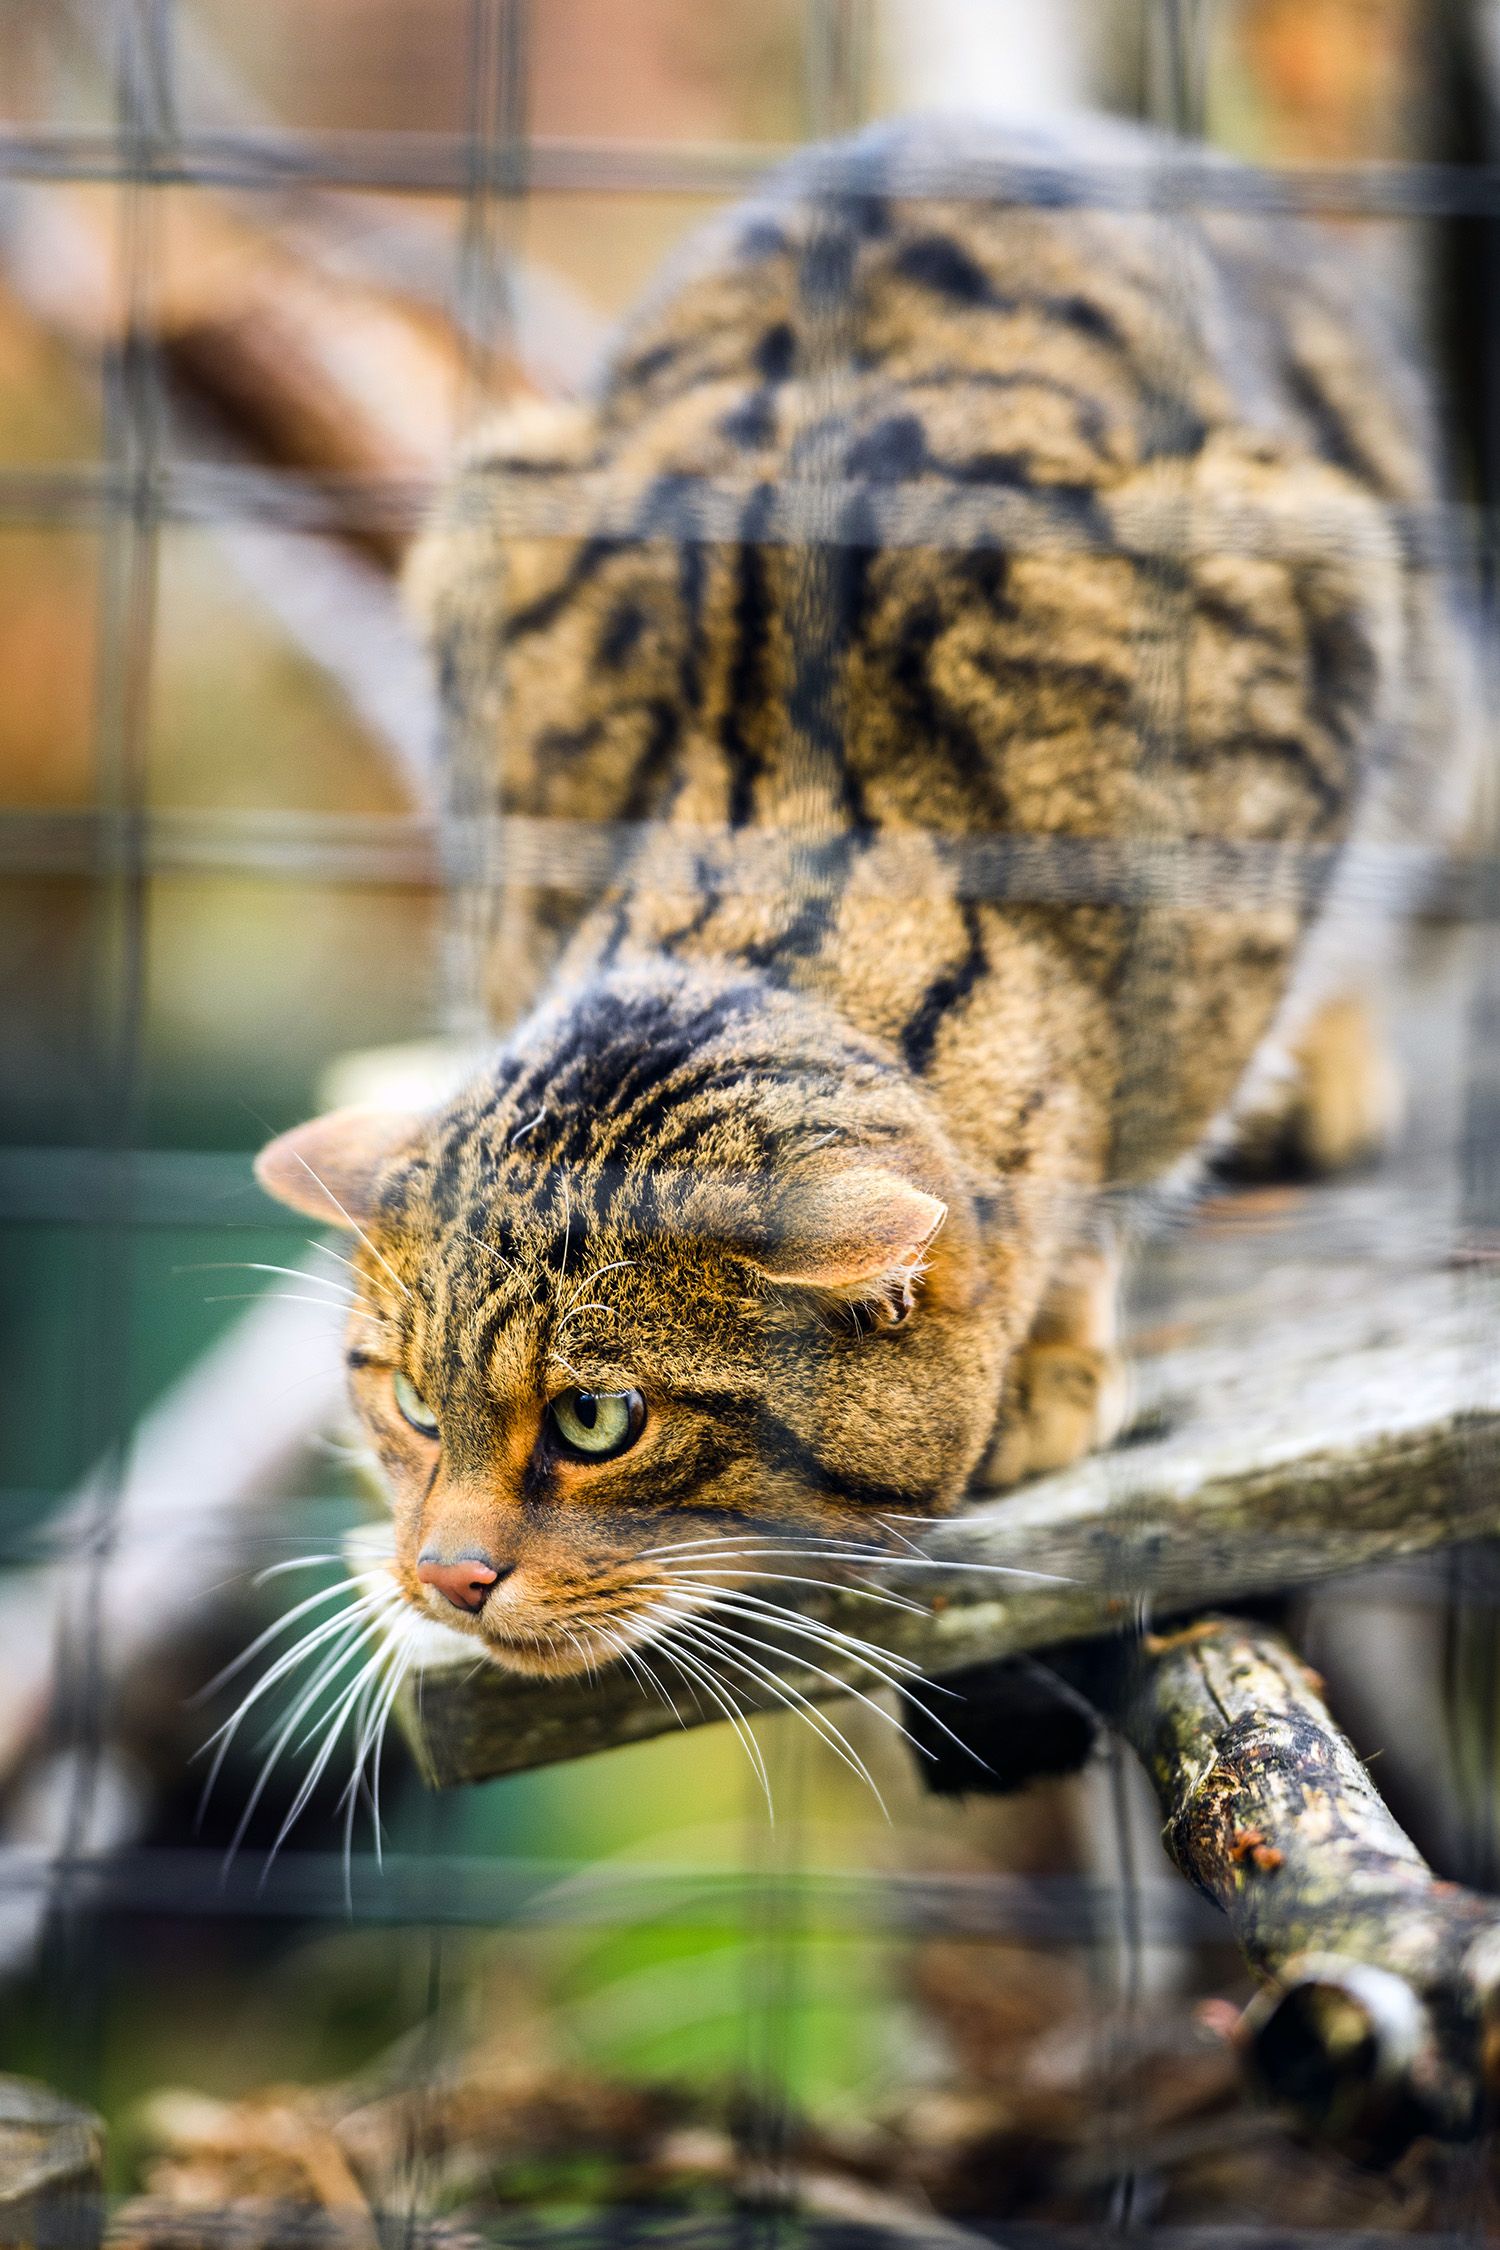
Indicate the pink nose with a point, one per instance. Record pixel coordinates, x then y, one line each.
464 1582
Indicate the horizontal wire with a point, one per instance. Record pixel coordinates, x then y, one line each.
1201 873
1154 181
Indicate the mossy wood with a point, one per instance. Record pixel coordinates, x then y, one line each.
1379 2021
1344 1415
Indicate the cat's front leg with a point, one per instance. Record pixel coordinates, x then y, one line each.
1067 1388
1338 1103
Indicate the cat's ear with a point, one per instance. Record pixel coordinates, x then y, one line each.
327 1169
859 1234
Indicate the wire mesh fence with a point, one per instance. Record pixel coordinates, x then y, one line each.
250 295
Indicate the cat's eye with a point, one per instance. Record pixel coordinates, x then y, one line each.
598 1424
414 1408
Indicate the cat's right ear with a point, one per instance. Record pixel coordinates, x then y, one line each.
327 1169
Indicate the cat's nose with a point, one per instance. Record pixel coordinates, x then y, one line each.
464 1580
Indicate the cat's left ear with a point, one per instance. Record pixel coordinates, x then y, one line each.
327 1169
860 1234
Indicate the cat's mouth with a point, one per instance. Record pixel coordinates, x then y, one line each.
519 1632
559 1649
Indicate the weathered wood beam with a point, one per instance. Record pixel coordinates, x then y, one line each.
51 2170
1380 2020
1354 1420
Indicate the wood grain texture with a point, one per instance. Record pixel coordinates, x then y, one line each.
1333 1410
51 2169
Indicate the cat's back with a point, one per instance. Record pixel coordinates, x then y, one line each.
973 480
1051 306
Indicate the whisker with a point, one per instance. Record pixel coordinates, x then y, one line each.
408 1658
792 1697
326 1250
826 1585
616 1265
875 1557
488 1248
649 1670
354 1639
626 1655
271 1632
818 1629
362 1605
287 1662
568 1228
259 1265
371 1726
298 1562
909 1674
719 1694
334 1727
751 1640
592 1305
286 1297
359 1230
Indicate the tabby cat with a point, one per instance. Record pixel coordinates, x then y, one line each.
966 628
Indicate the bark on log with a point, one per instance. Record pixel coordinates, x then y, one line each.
1316 1438
1380 2020
51 2170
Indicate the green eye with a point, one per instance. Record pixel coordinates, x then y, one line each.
597 1424
414 1407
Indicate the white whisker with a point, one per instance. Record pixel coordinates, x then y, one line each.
741 1604
288 1661
342 1290
328 1671
826 1585
370 1730
351 1222
488 1248
845 1687
719 1694
288 1297
262 1639
871 1556
348 1696
616 1265
408 1658
783 1692
298 1562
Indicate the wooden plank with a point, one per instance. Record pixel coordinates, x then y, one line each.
51 2170
1338 1405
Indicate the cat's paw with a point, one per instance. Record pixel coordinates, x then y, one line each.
1340 1106
1062 1400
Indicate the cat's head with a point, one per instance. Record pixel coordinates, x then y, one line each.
633 1314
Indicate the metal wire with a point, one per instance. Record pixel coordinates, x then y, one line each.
143 483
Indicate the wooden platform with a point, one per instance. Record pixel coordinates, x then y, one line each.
1318 1388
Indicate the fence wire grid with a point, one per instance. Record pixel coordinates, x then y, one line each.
253 285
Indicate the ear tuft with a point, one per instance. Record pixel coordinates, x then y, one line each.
327 1169
861 1235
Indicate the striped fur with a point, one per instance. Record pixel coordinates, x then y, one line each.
972 633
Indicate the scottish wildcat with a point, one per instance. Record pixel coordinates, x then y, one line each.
968 626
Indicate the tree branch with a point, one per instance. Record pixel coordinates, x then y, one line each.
1380 2019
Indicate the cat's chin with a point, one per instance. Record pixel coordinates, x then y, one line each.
534 1661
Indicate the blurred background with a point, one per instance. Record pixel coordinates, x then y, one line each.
259 270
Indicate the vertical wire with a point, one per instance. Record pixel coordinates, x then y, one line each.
810 801
496 184
837 67
1176 85
128 566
